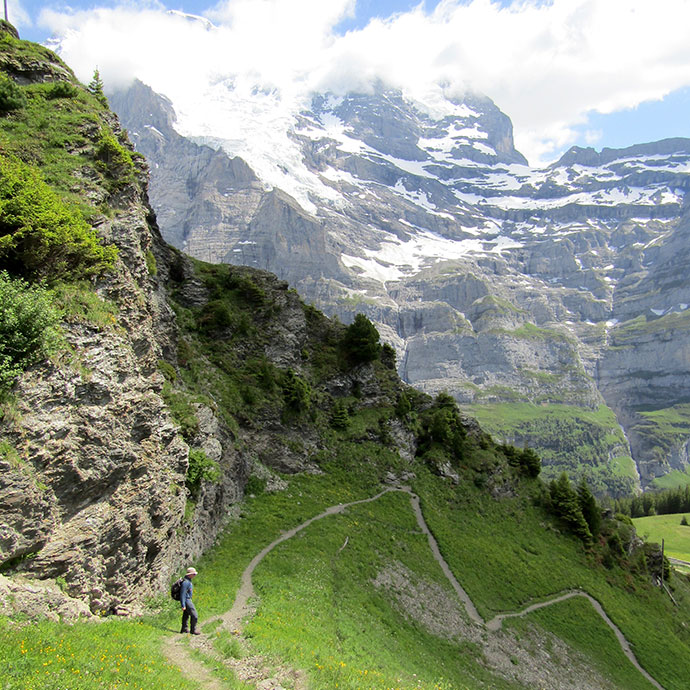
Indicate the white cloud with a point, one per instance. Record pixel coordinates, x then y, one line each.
546 64
593 136
17 15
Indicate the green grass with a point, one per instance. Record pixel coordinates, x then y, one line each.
491 302
53 133
505 555
673 479
78 303
115 654
575 622
567 438
629 333
319 611
529 331
665 431
667 527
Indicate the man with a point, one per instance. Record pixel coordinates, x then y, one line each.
188 610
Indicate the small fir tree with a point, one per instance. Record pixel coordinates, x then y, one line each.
340 417
589 507
566 506
361 340
96 87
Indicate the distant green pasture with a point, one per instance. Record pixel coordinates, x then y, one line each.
667 527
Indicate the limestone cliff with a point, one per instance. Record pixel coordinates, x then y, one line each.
500 283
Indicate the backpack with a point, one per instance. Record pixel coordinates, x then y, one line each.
176 588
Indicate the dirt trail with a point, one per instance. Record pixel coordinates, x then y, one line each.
240 608
232 619
496 622
179 655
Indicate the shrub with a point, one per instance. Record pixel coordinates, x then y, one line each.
40 236
11 95
201 468
249 291
255 485
28 327
361 340
296 391
340 416
526 460
168 370
403 406
446 400
388 356
615 544
181 411
151 264
115 160
215 316
61 89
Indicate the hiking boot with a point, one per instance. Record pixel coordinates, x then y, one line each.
195 632
183 632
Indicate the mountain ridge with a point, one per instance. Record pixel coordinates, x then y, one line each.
558 258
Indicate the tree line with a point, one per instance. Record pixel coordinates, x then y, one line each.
663 502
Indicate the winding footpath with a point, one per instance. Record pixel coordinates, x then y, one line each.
232 619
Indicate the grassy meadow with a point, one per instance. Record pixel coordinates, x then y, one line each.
677 537
319 611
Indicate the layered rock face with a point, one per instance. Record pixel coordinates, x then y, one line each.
92 473
517 290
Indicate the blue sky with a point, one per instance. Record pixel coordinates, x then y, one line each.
585 72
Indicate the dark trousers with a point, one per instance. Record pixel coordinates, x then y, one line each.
189 614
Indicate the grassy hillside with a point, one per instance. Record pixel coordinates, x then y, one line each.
567 438
357 601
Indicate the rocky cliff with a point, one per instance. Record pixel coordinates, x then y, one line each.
123 454
508 286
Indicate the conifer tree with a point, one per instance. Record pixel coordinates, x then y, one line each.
362 340
340 417
589 507
96 87
566 506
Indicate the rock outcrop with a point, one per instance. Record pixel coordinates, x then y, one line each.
124 454
92 488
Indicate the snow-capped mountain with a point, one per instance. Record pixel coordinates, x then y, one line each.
551 302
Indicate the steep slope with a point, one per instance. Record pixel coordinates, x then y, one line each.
502 284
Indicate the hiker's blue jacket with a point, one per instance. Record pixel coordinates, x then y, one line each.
186 591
